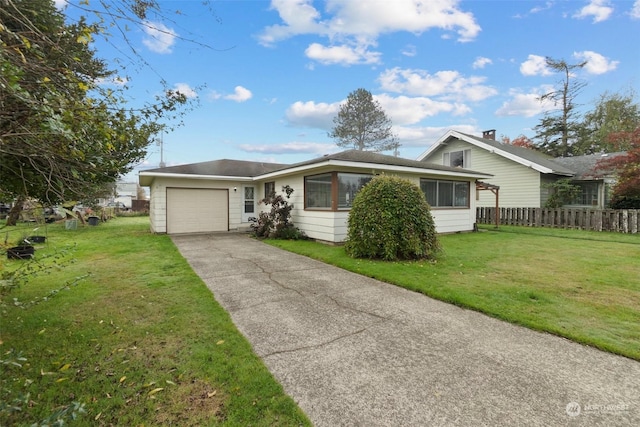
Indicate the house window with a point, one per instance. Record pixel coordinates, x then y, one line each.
269 188
348 186
445 194
588 195
334 190
317 191
457 159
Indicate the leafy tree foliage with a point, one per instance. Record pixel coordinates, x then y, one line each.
626 192
614 114
276 224
62 135
390 219
561 192
519 141
362 124
559 130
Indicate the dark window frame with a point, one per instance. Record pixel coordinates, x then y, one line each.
269 187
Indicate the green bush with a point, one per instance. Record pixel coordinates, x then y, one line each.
625 202
391 219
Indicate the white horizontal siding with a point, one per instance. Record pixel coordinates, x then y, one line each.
519 185
158 201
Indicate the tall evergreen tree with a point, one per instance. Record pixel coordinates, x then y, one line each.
559 129
362 124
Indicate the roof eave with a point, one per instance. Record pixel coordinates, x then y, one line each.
374 166
146 178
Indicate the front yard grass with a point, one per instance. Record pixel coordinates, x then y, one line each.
140 341
584 286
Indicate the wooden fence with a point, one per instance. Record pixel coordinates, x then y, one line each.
616 220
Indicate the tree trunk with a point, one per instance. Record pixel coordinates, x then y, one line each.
14 212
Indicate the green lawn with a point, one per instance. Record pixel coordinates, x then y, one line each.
139 341
584 286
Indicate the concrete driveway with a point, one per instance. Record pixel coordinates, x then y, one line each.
353 351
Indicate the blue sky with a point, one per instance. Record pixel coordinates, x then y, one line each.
275 72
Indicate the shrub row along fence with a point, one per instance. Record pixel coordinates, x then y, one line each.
616 220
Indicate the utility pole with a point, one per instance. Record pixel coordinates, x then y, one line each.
160 142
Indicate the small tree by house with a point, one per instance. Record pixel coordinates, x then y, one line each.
276 224
561 192
390 219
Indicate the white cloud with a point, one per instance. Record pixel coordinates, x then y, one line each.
160 38
411 51
344 54
112 81
60 4
445 84
185 90
481 62
538 9
600 10
240 94
290 147
635 10
403 110
359 23
425 136
310 114
535 65
526 104
596 63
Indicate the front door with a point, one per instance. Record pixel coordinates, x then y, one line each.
248 203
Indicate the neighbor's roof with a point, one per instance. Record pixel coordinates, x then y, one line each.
584 166
525 156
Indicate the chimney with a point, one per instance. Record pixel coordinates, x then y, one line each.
489 134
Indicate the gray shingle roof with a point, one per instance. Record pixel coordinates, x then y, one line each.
527 154
359 156
222 167
242 168
584 166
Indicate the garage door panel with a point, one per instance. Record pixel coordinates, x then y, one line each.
197 210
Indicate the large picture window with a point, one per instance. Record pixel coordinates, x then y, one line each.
445 194
348 186
334 190
317 189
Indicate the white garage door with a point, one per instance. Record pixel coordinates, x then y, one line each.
197 210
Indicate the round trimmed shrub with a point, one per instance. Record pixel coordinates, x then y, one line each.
390 219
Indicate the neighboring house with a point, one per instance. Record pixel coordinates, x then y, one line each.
521 173
223 195
595 186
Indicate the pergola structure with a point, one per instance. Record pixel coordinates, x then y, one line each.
495 189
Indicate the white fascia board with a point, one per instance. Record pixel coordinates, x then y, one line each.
369 167
152 175
438 143
489 148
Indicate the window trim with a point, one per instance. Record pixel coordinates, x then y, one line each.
466 158
334 191
269 184
453 195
